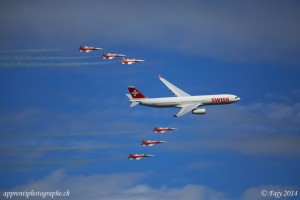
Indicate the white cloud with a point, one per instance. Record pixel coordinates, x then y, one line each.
117 186
255 129
267 146
132 186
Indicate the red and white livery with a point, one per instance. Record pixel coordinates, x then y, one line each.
151 142
183 100
111 55
162 129
130 61
88 49
138 156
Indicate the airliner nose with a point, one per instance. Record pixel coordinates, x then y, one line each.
237 98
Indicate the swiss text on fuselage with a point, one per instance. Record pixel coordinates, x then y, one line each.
220 100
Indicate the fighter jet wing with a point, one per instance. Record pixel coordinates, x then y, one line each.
175 90
186 108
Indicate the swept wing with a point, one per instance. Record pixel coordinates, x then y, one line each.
175 90
185 108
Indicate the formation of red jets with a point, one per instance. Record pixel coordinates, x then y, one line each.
150 143
110 56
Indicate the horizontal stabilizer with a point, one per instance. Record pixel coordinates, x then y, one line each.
134 103
129 96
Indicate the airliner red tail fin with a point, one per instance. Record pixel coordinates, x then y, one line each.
135 94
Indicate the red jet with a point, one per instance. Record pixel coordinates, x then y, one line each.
138 156
151 142
88 49
111 55
130 61
162 129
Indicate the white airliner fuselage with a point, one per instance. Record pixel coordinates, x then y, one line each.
166 102
183 100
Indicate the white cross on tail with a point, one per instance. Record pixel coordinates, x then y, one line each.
134 93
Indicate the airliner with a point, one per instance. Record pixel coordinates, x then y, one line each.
182 100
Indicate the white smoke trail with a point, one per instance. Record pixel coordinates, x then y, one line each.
30 58
45 61
32 165
58 148
59 135
45 65
31 51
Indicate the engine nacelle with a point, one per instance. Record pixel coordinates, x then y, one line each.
199 111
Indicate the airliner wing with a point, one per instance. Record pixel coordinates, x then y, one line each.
175 90
186 108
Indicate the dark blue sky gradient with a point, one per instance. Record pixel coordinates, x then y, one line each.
65 121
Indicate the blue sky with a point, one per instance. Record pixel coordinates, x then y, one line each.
66 124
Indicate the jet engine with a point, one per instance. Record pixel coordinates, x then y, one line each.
199 111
